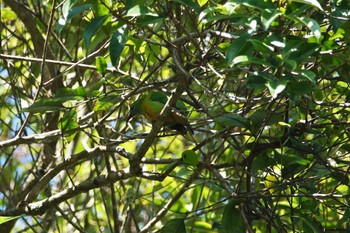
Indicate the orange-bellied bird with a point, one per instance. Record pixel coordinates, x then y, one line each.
152 104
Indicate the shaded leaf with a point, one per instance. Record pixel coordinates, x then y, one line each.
191 4
92 28
117 44
309 224
299 87
261 46
75 11
263 161
190 157
264 117
45 105
231 119
148 19
236 47
261 5
308 74
66 94
268 16
176 225
232 220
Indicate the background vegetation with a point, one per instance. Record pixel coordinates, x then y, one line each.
266 84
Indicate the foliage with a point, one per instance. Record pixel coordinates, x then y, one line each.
266 84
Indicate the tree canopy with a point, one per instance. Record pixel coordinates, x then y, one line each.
264 86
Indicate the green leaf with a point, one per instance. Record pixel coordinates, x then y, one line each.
299 87
261 47
101 65
232 220
264 117
289 159
258 80
7 13
345 218
130 198
248 59
4 219
139 10
176 225
148 19
106 103
68 122
308 74
231 119
66 93
263 161
310 23
77 10
260 5
117 44
194 5
236 47
45 105
101 7
309 224
190 157
314 3
268 16
276 86
66 8
92 28
202 2
313 26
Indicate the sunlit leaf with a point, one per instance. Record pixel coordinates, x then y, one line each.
202 2
68 122
101 65
313 26
314 3
276 86
139 10
105 103
4 219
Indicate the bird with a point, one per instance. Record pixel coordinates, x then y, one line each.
150 106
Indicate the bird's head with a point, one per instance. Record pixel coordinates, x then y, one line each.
136 108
